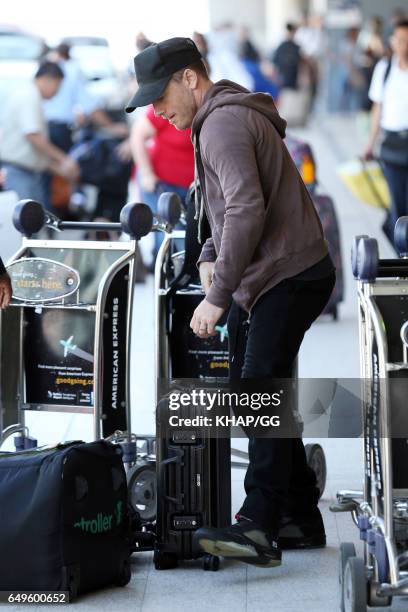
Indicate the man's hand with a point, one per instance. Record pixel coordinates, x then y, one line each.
69 169
205 318
6 290
148 180
124 152
206 270
368 153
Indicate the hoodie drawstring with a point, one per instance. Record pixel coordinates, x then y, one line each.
198 196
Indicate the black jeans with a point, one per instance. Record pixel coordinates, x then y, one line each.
278 480
397 180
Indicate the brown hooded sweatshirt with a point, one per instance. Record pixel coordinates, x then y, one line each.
263 222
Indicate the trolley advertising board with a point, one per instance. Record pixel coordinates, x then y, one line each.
59 346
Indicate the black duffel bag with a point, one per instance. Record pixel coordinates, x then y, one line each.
64 519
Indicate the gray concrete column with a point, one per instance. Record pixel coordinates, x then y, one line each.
240 12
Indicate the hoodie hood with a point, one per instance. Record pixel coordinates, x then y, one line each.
225 93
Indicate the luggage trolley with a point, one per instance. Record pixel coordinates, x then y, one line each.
65 339
380 511
193 466
178 354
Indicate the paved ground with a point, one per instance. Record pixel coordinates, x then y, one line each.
306 581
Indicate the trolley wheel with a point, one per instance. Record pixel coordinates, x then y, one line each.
401 236
164 560
347 550
354 586
374 600
169 207
317 461
354 248
211 563
367 259
142 487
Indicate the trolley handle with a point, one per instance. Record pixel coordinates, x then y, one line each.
392 267
29 217
365 260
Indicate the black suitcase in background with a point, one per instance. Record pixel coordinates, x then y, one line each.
327 213
64 519
194 487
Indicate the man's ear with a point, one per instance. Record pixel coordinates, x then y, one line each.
190 78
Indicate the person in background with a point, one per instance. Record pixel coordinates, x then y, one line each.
397 15
371 39
71 98
247 49
71 105
25 149
252 62
287 59
352 82
224 58
373 49
202 45
311 38
142 42
164 158
389 115
6 290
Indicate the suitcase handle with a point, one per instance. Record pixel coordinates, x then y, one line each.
41 449
163 477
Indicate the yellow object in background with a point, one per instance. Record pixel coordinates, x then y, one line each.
308 171
366 182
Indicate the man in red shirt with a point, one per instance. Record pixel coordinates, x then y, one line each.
165 160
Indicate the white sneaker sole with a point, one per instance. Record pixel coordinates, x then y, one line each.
233 550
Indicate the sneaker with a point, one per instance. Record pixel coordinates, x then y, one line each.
302 532
244 541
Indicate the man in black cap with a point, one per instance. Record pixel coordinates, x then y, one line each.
266 260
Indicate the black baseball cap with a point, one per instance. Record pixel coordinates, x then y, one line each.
155 66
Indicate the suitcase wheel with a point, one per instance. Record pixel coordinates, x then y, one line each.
164 560
317 461
211 563
125 575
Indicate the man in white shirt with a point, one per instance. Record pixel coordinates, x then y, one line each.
389 94
25 149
